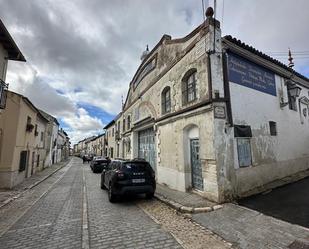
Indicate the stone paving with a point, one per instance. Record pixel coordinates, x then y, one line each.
11 212
6 194
246 228
54 220
190 234
123 224
187 199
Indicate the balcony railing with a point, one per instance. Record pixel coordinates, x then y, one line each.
3 92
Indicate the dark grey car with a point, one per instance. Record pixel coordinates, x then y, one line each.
128 177
98 164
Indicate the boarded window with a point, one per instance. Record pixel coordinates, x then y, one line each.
23 160
244 152
273 128
242 131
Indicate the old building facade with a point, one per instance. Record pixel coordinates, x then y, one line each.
214 115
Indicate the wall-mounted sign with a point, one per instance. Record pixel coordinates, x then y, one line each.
219 112
246 73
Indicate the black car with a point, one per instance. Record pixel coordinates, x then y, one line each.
128 177
98 164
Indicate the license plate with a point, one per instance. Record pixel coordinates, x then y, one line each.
138 180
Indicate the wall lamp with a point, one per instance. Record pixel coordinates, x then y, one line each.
293 92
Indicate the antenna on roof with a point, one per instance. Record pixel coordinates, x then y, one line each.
291 63
122 101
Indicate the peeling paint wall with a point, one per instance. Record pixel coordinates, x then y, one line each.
273 157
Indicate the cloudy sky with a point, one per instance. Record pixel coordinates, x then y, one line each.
82 54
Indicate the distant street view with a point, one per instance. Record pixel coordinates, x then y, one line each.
131 124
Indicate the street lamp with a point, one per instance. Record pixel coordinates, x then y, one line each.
293 89
293 92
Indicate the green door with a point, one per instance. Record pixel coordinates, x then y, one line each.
196 167
147 147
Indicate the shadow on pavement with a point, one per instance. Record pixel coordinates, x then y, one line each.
289 203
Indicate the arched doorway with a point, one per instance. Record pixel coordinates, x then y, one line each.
192 146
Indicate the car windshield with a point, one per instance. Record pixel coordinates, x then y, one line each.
101 161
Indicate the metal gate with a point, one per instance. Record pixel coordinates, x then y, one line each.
196 168
147 147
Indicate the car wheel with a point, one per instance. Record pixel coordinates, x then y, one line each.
150 195
111 195
102 185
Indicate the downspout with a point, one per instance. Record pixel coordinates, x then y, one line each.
209 76
227 94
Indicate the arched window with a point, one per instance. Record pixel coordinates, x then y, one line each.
166 100
189 87
129 122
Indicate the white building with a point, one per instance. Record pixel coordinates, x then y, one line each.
51 139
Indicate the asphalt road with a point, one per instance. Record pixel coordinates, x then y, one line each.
76 213
289 203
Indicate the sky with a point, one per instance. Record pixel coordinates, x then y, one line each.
82 54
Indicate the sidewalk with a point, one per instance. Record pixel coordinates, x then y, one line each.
8 195
185 202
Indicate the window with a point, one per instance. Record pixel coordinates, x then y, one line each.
273 128
129 122
23 160
124 124
42 136
166 100
145 70
189 87
118 128
28 120
244 152
113 131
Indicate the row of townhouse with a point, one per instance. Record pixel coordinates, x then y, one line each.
213 115
94 145
28 136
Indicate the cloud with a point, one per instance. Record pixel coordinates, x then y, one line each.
87 51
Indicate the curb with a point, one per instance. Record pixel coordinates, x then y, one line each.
7 201
185 209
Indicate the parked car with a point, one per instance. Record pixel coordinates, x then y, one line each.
98 164
128 177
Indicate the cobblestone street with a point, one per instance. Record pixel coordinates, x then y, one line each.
51 216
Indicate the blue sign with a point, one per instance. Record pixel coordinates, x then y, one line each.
246 73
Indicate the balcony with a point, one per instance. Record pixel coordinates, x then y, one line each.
3 87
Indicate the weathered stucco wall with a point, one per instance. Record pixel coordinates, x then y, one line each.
273 157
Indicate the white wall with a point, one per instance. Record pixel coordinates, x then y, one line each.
273 157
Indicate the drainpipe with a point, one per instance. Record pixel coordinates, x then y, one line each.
227 94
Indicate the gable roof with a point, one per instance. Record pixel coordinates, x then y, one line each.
9 44
49 117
